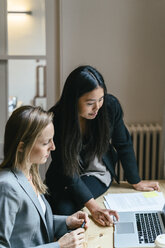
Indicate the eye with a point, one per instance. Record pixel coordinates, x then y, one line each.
46 143
89 104
101 99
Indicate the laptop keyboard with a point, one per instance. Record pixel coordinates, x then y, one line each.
148 226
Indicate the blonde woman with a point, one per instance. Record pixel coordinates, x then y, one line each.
26 218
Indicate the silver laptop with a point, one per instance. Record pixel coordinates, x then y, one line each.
138 229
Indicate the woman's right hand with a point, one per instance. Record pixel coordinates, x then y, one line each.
102 216
74 239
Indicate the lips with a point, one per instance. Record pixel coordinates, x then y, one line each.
93 114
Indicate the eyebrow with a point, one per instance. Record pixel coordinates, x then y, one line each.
93 100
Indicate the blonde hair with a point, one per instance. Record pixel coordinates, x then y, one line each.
25 125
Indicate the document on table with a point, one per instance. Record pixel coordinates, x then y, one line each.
135 201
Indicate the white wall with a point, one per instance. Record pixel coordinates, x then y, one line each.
125 41
26 36
3 72
22 79
26 33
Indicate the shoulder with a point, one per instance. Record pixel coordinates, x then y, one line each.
7 181
113 105
111 100
10 196
6 175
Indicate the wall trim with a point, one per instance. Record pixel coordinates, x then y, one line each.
1 151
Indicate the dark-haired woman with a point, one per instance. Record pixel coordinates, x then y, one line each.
90 137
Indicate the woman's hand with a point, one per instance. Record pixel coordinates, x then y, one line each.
102 216
74 239
76 220
146 186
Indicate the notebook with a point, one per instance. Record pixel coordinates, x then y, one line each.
139 228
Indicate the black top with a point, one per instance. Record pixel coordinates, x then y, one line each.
120 147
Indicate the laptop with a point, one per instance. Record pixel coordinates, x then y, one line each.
138 229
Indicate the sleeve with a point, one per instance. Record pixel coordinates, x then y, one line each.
50 245
122 142
9 203
78 188
60 227
58 183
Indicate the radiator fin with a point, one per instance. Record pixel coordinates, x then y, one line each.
147 143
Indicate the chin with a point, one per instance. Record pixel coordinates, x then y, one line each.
43 161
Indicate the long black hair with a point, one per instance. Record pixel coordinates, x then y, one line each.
80 81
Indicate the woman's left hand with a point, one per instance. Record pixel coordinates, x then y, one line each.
146 186
76 220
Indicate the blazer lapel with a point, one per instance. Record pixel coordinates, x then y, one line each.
22 180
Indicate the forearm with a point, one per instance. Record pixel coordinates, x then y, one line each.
130 168
91 205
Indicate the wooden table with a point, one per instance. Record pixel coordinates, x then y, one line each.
102 237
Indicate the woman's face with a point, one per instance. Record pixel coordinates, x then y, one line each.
43 146
90 103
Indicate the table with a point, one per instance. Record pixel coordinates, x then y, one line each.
102 237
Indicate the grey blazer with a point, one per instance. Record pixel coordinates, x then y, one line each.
22 221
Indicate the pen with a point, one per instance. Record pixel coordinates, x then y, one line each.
83 224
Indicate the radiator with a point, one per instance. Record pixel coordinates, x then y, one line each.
147 143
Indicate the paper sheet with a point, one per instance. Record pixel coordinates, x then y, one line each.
135 201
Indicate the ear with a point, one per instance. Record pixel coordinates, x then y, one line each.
20 146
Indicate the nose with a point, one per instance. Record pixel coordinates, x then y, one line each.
96 106
52 147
